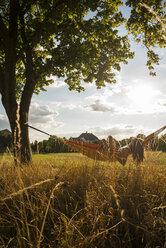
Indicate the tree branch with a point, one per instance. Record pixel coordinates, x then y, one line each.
27 7
10 55
157 17
30 81
3 31
13 22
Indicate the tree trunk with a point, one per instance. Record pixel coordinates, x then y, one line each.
26 154
21 142
13 117
17 114
14 125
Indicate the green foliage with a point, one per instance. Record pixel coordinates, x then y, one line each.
56 146
5 141
49 146
145 27
162 143
77 40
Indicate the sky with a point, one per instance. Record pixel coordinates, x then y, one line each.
135 104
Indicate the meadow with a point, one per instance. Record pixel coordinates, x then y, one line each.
69 201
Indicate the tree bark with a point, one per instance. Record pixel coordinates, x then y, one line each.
13 117
18 118
15 128
16 113
26 154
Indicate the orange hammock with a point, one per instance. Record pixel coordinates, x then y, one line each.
110 153
91 150
96 152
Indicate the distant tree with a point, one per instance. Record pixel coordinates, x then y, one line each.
162 143
124 142
5 141
78 40
141 136
34 146
40 145
49 146
64 148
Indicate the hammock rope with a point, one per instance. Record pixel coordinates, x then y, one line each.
106 150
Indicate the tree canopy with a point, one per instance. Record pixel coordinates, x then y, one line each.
147 25
72 39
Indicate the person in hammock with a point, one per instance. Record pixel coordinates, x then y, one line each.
135 148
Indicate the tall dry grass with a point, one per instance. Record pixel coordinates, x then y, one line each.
81 203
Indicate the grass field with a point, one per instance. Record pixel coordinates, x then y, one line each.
69 201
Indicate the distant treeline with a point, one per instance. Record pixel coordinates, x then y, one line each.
158 144
55 146
5 142
51 145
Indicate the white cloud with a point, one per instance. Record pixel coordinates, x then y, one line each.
162 66
2 117
104 94
162 102
43 117
134 105
57 82
100 106
4 123
121 131
113 88
55 104
71 106
160 106
142 98
39 111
